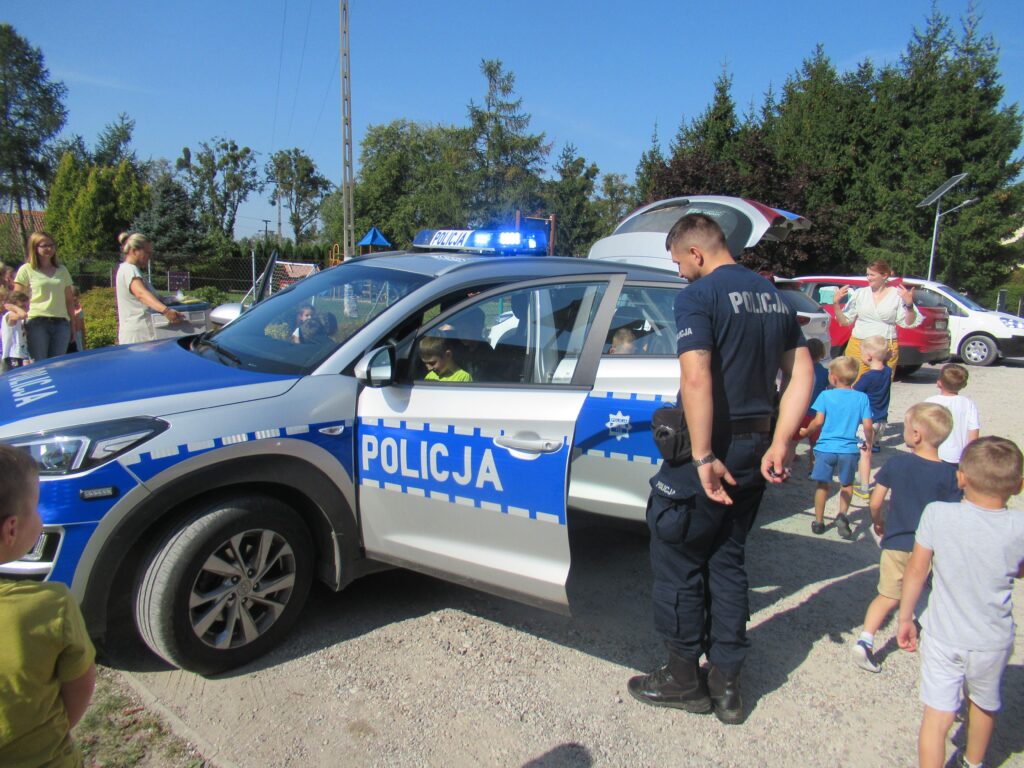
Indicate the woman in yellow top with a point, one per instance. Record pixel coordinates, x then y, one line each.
48 284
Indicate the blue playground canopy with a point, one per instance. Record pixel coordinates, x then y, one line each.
374 237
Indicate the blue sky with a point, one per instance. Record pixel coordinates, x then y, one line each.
595 73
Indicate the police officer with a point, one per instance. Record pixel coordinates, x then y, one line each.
733 335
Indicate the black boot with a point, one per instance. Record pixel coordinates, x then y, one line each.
677 684
725 696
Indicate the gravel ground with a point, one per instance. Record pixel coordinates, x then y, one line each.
401 669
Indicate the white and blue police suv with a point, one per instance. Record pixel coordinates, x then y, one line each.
200 484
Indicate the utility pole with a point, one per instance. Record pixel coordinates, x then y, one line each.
347 184
266 234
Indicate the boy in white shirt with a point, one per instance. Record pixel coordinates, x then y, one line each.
12 335
976 548
966 424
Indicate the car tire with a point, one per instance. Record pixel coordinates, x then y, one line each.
978 350
202 601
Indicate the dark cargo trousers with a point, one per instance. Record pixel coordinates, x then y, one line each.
698 563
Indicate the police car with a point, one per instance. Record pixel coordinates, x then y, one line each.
196 486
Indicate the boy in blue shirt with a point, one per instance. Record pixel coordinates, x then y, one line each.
840 412
912 481
876 383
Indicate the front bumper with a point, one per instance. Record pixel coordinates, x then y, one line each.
1011 347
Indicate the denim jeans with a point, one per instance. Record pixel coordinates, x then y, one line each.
47 337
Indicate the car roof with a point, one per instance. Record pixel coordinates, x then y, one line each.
444 263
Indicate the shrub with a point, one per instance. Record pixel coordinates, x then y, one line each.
211 294
100 308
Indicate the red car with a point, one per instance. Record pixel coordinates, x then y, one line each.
927 343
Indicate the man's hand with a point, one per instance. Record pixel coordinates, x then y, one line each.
711 477
906 636
773 464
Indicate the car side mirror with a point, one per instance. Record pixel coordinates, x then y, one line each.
377 368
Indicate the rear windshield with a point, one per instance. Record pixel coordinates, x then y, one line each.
796 299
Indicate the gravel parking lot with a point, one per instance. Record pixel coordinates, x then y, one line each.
401 669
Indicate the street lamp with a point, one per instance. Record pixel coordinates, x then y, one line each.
936 197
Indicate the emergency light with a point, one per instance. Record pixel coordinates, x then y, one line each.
495 241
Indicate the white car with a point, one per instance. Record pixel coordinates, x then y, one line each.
978 336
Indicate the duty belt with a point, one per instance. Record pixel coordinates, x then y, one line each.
752 425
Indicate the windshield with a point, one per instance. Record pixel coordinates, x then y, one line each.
797 300
297 329
967 302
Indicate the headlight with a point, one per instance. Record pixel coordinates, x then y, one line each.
77 449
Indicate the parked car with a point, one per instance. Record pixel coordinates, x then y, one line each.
978 336
814 321
927 343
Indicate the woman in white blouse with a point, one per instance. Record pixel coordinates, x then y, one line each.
876 310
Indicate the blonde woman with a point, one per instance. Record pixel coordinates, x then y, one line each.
135 295
48 284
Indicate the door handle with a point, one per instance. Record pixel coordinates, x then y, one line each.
529 443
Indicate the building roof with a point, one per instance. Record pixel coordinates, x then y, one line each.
11 244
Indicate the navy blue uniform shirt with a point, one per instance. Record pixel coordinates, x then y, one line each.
742 320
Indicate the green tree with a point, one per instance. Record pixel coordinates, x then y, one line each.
32 113
569 198
509 160
131 194
71 175
652 164
169 219
295 180
615 201
114 142
91 229
221 176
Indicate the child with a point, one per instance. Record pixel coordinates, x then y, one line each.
817 350
438 354
966 424
303 315
623 342
77 343
47 672
914 480
976 549
13 340
839 412
876 383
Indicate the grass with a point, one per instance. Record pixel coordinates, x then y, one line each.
118 731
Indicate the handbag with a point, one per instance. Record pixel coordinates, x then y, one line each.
668 427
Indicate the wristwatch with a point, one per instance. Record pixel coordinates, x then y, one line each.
706 460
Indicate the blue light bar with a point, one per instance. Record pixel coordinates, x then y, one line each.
502 242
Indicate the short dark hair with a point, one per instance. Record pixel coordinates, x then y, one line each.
816 348
17 474
696 226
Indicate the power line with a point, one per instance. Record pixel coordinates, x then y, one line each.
280 66
298 80
327 91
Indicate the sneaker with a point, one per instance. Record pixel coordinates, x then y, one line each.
843 526
862 491
817 528
864 657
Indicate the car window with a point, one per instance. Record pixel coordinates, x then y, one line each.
298 328
925 297
528 336
644 322
796 299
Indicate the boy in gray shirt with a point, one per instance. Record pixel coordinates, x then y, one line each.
976 549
